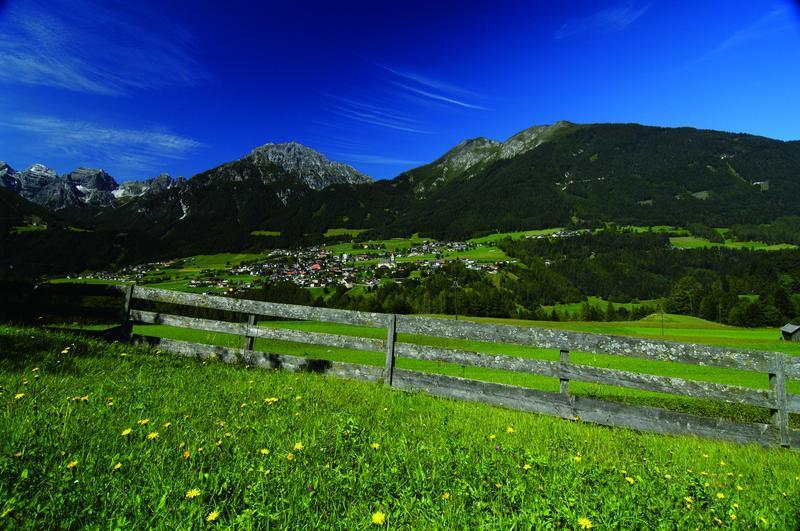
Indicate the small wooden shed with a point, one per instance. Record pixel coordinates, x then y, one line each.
790 332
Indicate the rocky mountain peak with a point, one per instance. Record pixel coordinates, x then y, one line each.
7 177
530 138
92 179
306 165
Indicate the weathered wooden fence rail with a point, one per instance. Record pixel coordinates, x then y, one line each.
777 368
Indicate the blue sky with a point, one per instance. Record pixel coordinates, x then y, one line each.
144 87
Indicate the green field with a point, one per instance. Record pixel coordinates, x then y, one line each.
265 233
601 304
108 435
514 235
694 242
331 233
21 229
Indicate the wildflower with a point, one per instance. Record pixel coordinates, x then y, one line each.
65 351
244 405
126 432
735 506
84 398
720 496
446 496
186 454
271 400
298 446
152 435
378 518
298 397
688 499
492 437
667 477
264 451
117 466
290 456
375 446
577 459
739 488
509 430
213 515
733 517
182 445
192 493
498 485
19 396
143 422
167 424
526 466
722 463
630 480
72 464
584 523
24 381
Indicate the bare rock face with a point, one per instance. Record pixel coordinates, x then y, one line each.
132 189
42 185
305 165
7 177
95 186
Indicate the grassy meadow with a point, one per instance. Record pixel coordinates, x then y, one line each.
107 435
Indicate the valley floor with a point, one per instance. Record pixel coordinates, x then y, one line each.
108 435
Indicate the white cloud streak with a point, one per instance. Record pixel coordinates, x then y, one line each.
96 47
131 151
776 21
614 18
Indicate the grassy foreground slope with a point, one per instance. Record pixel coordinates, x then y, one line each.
109 435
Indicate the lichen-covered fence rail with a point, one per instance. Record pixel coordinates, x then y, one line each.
776 368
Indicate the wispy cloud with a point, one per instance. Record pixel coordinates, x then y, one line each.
613 18
372 114
96 47
432 89
130 151
359 158
776 21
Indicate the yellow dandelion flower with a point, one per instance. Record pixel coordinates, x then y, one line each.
186 454
298 446
213 515
526 466
152 435
492 437
378 518
290 456
630 480
19 396
65 351
192 493
733 517
720 496
584 523
375 446
264 451
446 496
510 430
722 463
735 506
143 422
126 432
739 488
167 424
577 459
498 485
117 466
72 464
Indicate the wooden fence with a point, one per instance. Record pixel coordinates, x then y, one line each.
777 368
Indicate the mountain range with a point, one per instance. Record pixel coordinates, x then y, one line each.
543 176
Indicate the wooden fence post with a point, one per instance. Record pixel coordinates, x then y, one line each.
391 339
780 415
249 341
127 325
564 381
